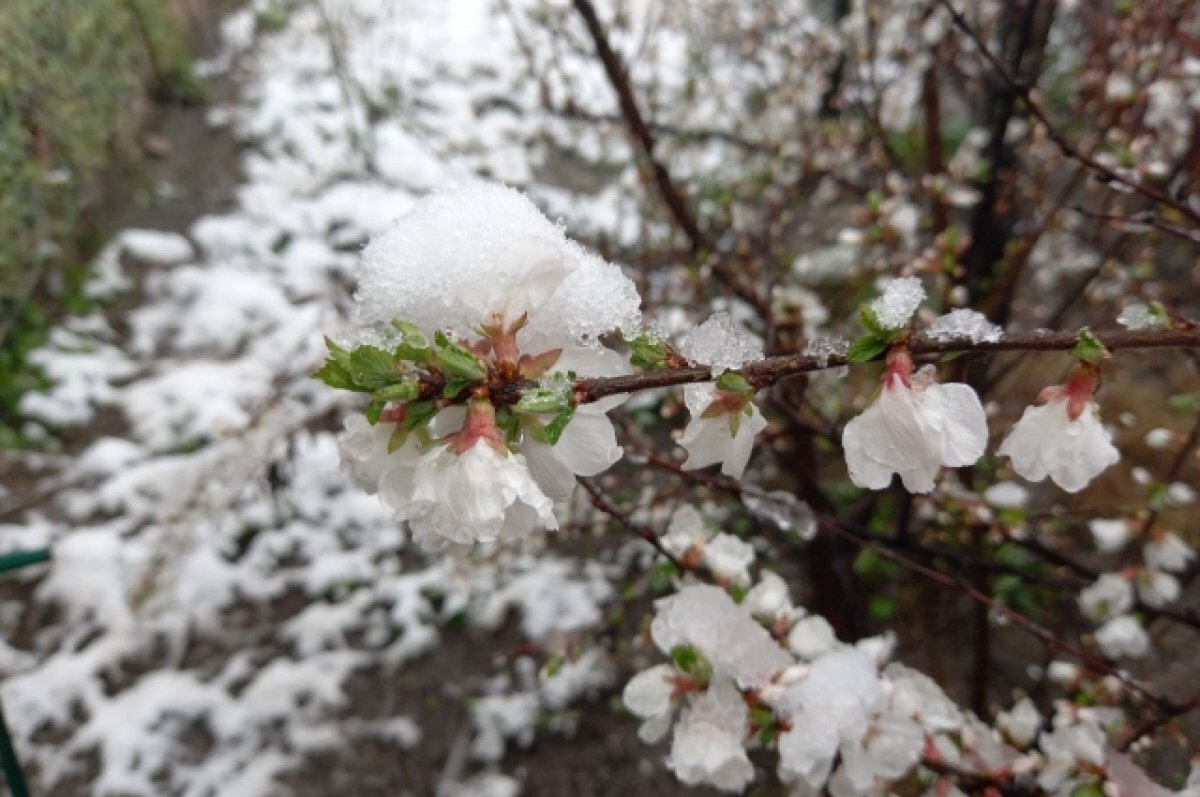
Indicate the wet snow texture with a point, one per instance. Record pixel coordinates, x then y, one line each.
219 582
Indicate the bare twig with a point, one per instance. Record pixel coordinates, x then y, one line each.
644 138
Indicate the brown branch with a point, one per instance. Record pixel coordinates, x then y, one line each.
768 371
642 531
1155 721
1043 634
1148 220
642 135
1052 131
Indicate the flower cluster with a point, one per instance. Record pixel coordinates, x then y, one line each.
470 292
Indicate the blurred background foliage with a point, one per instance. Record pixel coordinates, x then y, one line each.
75 80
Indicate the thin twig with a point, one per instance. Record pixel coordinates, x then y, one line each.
1055 135
642 531
768 371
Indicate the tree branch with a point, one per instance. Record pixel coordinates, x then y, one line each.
768 371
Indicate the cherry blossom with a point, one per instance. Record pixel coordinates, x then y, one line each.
914 428
1063 438
470 489
1123 636
1167 552
724 422
708 746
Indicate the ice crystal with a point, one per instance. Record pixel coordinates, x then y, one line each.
964 324
826 346
720 343
785 510
901 298
465 253
1139 316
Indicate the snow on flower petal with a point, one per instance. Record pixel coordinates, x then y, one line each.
708 744
723 631
462 254
720 343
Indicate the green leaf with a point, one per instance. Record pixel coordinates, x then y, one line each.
648 352
414 346
399 437
454 387
869 320
407 389
867 348
552 396
732 382
456 360
1185 402
375 409
335 375
660 577
550 433
509 423
372 367
692 662
1088 348
418 412
336 370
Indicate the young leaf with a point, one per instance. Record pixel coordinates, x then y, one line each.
867 348
418 412
551 432
457 361
1088 348
648 352
373 368
731 382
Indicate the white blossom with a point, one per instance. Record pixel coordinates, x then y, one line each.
913 429
1072 742
1110 535
708 746
649 695
723 425
813 637
1167 552
588 445
1123 636
1021 723
479 495
723 631
712 440
1047 442
769 598
1108 596
729 558
1156 588
364 450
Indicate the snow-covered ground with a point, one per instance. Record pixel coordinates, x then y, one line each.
217 577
